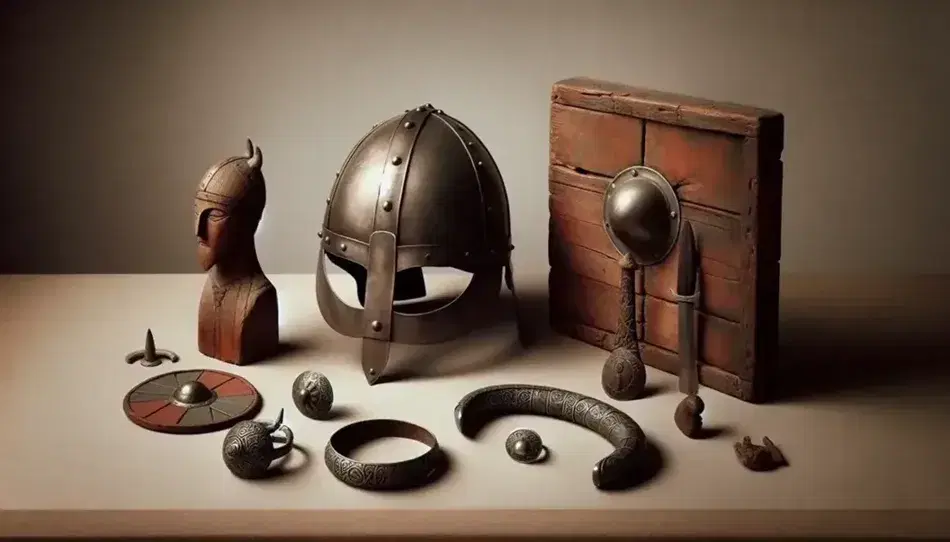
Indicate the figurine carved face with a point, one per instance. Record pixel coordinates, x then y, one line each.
228 208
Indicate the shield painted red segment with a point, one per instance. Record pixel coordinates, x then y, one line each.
146 408
236 386
169 415
214 378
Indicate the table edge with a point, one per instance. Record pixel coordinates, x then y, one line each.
475 523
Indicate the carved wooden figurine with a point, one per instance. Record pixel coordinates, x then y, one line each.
237 315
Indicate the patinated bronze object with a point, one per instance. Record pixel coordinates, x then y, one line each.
419 190
624 375
313 395
613 471
249 450
187 402
688 416
525 446
237 314
759 458
407 474
151 356
641 216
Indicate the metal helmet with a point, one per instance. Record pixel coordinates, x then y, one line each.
642 214
420 189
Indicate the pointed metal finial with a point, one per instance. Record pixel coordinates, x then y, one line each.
151 356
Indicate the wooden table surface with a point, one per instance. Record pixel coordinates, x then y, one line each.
862 420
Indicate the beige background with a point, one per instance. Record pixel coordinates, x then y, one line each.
113 110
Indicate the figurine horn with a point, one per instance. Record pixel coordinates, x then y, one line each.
254 156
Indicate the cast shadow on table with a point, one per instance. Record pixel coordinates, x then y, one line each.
829 355
292 346
458 357
297 461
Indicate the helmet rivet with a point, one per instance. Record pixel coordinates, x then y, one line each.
470 143
328 201
429 106
409 124
634 173
672 214
479 164
337 173
372 371
343 247
320 234
396 160
387 206
326 239
419 108
377 325
438 111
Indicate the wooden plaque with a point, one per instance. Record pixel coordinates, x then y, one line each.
725 161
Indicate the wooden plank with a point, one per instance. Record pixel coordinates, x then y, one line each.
593 303
594 141
665 107
720 296
658 358
719 235
762 228
705 167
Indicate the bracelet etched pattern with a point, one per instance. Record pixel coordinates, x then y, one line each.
407 474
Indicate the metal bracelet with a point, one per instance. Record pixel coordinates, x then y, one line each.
613 471
406 474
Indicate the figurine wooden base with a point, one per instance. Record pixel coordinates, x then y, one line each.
725 162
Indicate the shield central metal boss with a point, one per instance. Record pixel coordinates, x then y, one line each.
642 214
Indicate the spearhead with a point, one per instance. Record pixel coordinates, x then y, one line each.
150 353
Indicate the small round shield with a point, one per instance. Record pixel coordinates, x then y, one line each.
190 402
642 214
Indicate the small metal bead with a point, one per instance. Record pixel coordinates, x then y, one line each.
328 201
342 247
420 108
429 106
377 325
479 164
409 124
326 239
372 371
672 214
634 173
337 173
387 206
438 111
320 234
396 160
470 143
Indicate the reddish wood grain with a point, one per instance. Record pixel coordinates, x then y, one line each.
594 304
722 297
659 358
724 161
666 107
705 167
594 141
